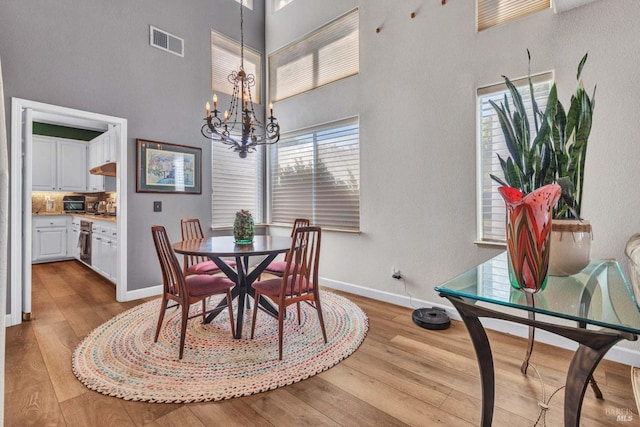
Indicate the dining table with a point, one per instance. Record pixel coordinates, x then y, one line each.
217 248
595 308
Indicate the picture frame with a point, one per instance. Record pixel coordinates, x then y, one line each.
168 168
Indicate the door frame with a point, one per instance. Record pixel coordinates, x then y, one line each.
20 228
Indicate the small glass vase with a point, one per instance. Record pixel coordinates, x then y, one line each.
528 235
243 228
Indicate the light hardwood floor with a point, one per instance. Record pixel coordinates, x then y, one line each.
401 375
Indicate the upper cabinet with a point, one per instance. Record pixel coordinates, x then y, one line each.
102 149
59 164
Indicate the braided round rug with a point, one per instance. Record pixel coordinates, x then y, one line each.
119 358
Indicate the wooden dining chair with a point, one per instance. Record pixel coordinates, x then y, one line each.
194 264
277 267
186 290
300 285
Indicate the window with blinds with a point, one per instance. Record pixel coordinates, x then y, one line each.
225 58
328 54
235 184
496 12
491 208
315 174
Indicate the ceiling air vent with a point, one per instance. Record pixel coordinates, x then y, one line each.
165 41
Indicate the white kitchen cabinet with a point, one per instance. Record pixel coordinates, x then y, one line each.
49 240
104 248
96 182
73 248
59 164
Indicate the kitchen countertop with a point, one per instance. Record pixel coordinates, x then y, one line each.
100 217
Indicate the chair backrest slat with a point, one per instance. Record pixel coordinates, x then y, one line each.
297 223
191 229
303 262
172 276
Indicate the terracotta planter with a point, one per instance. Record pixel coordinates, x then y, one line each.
570 246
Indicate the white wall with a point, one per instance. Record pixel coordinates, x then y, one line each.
416 98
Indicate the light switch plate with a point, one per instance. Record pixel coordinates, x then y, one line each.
157 206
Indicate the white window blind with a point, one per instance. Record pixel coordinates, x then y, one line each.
315 174
236 184
496 12
491 208
225 58
328 54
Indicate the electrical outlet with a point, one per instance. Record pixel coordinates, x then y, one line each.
395 273
157 206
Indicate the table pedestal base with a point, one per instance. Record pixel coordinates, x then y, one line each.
593 345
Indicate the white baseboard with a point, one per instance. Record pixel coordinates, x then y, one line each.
617 354
143 293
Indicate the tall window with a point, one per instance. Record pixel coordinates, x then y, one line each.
235 184
225 58
496 12
315 174
491 208
326 55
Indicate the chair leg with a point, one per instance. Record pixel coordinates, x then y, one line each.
163 308
183 326
204 309
281 310
299 314
320 318
255 313
231 319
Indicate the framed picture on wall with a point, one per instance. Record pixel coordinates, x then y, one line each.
168 168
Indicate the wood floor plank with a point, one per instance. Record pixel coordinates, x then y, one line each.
143 413
281 408
394 402
233 412
80 316
339 405
23 359
95 409
59 341
33 404
180 417
401 374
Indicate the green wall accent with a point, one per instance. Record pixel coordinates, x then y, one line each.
64 132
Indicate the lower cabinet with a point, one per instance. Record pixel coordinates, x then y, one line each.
73 247
104 249
49 239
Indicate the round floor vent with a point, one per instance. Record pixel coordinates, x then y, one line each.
431 318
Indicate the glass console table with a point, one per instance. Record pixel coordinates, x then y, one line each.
595 308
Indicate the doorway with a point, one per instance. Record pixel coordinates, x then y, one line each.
23 113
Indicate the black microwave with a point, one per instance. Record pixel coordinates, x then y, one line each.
74 204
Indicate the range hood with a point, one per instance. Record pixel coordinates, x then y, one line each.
108 169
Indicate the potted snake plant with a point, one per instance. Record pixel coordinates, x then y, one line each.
571 234
555 155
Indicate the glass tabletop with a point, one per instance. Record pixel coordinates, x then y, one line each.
598 295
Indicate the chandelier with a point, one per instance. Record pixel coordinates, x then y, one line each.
239 127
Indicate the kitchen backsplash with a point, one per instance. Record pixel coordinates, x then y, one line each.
39 200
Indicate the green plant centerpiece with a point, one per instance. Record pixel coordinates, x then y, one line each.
243 228
556 154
